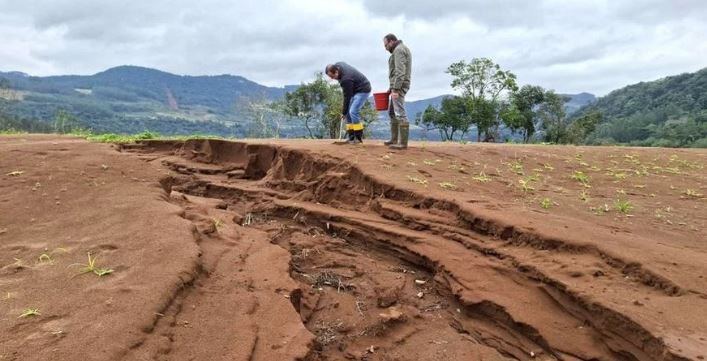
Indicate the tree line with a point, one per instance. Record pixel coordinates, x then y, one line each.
491 98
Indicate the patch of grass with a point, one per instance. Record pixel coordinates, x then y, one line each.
12 131
417 180
517 167
92 267
581 177
620 176
623 206
482 177
448 185
693 193
122 138
546 203
29 312
526 185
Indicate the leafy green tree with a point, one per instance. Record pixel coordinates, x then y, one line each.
482 82
311 104
519 114
554 118
453 116
65 122
430 119
581 127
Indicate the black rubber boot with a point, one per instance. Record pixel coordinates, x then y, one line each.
352 137
359 135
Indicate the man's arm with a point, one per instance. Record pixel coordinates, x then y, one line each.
399 71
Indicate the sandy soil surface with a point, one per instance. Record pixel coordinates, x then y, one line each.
307 250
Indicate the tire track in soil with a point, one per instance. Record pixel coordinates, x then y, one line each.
382 274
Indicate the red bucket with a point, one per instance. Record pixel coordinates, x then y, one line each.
381 100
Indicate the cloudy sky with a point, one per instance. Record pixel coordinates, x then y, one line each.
569 46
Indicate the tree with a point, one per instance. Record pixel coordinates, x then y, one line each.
318 104
482 82
429 119
312 104
4 83
453 116
65 122
583 126
263 116
554 120
519 114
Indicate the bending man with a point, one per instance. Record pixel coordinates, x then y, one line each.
357 89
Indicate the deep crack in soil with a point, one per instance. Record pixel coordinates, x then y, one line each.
378 272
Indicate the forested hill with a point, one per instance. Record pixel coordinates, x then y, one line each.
668 112
131 99
132 83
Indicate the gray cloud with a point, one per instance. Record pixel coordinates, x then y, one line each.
593 46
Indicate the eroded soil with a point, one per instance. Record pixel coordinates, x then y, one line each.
314 251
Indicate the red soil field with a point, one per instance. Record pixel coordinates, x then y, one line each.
308 250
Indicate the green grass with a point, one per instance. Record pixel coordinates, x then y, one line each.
92 267
623 206
12 131
546 203
517 167
581 177
448 185
482 177
29 312
417 180
131 138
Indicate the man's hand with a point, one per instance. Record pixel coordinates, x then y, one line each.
394 94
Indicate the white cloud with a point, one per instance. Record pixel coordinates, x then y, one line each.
593 46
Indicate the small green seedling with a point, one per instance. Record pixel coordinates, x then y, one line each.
482 177
546 203
517 167
448 185
526 185
91 267
417 180
581 177
623 206
29 312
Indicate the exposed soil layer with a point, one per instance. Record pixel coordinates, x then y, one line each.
313 251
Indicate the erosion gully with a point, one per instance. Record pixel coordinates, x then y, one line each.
375 272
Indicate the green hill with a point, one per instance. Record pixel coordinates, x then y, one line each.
132 99
668 112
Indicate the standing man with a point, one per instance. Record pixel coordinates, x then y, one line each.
357 89
399 67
